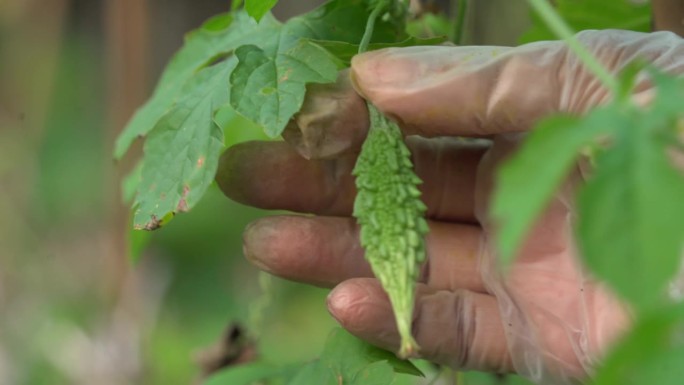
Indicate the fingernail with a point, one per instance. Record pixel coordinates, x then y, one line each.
256 240
337 301
346 299
231 176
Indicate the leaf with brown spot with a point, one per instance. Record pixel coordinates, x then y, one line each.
182 151
183 204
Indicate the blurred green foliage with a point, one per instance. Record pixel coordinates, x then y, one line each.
594 14
74 311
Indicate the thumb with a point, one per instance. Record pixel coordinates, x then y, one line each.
473 91
464 91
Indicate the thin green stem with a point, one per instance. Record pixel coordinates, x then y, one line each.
459 380
563 31
459 24
258 307
370 26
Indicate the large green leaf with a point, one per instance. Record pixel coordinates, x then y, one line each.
630 227
527 181
486 378
270 80
217 37
270 89
248 374
182 151
345 360
348 360
594 14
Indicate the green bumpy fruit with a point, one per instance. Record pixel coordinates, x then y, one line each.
391 215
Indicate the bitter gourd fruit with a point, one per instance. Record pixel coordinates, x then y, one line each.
391 216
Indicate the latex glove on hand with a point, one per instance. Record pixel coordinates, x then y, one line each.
547 319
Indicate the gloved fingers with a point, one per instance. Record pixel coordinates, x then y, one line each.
271 175
461 329
464 91
325 251
474 91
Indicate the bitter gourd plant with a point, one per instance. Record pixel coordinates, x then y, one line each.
260 70
248 63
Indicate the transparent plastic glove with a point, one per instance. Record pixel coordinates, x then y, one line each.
547 319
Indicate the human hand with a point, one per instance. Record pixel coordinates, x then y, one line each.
547 318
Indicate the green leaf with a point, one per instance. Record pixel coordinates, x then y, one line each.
345 51
350 354
594 14
630 214
668 103
348 360
377 373
269 83
274 67
430 25
485 378
528 180
270 89
217 37
258 8
182 151
248 374
652 352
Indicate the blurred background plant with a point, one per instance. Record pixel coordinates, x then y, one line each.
73 309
